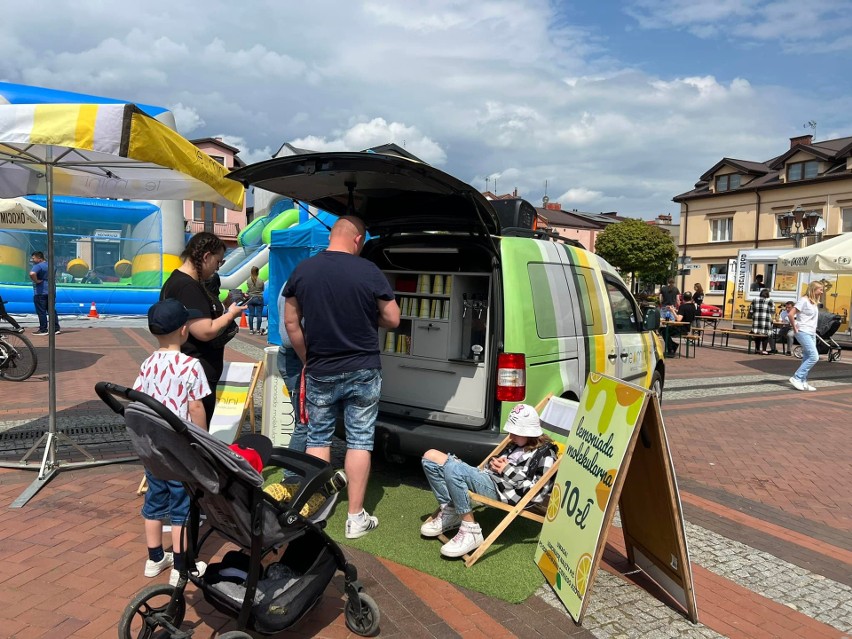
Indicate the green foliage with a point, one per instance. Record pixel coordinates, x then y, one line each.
635 247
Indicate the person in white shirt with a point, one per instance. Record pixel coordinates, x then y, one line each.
803 320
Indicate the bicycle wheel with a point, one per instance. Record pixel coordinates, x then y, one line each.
18 359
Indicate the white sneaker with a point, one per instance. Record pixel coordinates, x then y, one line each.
200 568
808 387
467 539
445 520
797 384
154 568
361 525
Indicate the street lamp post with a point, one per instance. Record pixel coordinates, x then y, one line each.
798 224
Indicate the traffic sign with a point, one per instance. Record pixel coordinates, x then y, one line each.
692 267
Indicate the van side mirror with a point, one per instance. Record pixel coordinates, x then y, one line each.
652 319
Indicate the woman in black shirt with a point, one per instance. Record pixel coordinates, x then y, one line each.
202 257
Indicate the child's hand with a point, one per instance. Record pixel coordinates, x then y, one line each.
498 464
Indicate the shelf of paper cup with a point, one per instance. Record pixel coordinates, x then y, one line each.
430 301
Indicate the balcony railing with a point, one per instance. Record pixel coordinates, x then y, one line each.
224 230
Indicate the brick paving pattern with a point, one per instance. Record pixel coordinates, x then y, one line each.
764 473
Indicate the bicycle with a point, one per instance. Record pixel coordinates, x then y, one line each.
18 359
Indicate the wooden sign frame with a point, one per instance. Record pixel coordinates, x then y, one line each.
645 490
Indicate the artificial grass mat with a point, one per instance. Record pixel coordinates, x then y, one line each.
402 500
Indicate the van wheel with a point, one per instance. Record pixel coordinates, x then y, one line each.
657 386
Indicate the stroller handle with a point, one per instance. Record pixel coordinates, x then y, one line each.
108 392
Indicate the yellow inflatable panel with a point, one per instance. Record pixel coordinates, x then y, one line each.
77 267
123 268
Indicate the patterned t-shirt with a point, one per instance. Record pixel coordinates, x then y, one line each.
174 379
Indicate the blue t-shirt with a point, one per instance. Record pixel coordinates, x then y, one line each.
40 270
338 295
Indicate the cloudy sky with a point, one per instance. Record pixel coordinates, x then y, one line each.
615 105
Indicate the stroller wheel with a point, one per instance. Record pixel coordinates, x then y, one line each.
148 611
834 356
234 634
797 351
367 622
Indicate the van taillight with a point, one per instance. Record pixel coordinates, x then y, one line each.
511 377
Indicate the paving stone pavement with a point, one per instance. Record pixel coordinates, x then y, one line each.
767 495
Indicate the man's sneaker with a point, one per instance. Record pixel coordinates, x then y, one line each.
445 520
797 384
20 329
467 539
808 387
361 525
39 332
57 332
200 568
154 568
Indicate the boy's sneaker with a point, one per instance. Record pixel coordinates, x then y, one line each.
360 525
797 384
445 520
154 568
200 569
467 539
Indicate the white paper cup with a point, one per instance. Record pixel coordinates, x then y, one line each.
390 342
438 285
424 308
425 284
448 285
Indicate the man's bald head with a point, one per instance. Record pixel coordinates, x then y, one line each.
347 235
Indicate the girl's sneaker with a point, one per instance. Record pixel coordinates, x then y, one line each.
154 568
467 539
445 520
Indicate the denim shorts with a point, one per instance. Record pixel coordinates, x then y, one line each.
165 500
356 394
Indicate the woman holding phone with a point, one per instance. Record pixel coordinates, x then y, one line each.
209 334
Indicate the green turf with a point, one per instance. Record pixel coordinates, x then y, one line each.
401 502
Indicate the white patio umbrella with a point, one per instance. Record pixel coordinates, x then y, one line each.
828 256
97 150
20 214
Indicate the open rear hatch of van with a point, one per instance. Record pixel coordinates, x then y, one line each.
434 239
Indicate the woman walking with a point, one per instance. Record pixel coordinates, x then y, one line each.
254 289
208 335
803 322
762 311
698 296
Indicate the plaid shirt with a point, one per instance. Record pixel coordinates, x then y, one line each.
519 477
762 311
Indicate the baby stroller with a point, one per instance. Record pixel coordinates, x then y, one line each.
228 490
827 325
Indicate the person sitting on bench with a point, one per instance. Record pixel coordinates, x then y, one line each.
685 313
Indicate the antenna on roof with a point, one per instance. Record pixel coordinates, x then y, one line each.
811 124
545 199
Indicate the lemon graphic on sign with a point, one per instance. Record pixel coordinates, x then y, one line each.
553 504
584 572
547 565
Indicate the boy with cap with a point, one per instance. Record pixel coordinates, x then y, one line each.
179 383
506 477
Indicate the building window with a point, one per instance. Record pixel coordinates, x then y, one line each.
220 159
802 170
207 212
722 230
846 220
718 278
728 182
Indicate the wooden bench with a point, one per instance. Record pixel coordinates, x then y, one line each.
693 340
728 332
699 333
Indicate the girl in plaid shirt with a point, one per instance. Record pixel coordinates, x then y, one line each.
506 477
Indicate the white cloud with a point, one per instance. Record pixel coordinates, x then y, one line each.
187 119
579 196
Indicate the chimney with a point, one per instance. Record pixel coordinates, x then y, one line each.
553 206
515 192
801 139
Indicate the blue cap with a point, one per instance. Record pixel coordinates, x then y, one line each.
167 316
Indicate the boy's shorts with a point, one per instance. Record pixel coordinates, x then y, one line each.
165 500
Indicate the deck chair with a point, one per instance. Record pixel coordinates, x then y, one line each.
557 417
234 399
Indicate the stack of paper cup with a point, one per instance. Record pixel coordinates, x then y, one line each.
400 344
424 308
436 311
390 342
405 306
446 314
438 285
448 285
424 284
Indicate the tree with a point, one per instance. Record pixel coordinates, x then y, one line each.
637 248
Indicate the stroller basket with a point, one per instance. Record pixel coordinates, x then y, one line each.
223 485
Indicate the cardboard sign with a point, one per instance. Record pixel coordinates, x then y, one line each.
579 511
617 455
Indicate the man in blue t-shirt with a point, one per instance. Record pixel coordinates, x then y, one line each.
39 277
343 299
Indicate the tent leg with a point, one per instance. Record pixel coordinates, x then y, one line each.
33 488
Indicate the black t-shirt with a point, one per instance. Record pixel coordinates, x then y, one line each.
192 294
688 311
669 295
337 293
